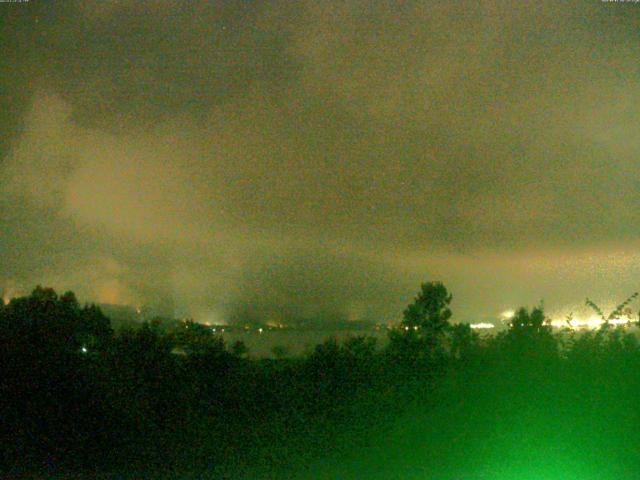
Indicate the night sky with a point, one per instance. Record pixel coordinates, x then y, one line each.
319 160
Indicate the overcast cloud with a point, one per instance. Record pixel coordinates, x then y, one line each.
321 159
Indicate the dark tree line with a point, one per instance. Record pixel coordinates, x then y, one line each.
75 396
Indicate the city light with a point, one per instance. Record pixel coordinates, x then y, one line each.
482 326
589 323
507 314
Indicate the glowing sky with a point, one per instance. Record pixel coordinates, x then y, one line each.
321 159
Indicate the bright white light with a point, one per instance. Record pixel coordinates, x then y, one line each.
482 326
620 321
260 330
507 314
84 349
590 323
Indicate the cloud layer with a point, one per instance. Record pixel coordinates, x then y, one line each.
320 159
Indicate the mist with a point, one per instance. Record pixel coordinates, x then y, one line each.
319 160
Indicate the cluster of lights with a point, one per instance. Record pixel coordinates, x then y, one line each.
576 323
592 322
221 330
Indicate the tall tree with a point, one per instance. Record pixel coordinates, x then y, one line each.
425 322
530 334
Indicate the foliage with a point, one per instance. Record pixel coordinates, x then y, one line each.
421 335
621 310
75 397
529 336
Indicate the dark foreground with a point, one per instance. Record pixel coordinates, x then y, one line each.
78 401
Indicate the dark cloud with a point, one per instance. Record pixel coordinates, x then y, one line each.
320 158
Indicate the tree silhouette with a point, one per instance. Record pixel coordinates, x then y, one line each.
280 352
94 328
425 322
463 341
622 309
530 335
239 348
44 321
197 339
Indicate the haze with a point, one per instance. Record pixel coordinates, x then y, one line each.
321 159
